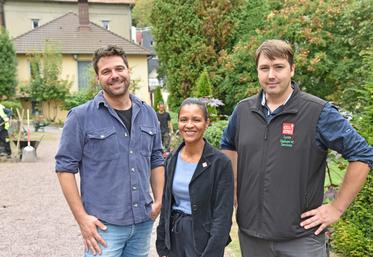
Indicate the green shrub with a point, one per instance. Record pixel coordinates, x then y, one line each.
78 98
353 236
8 66
12 104
158 98
215 131
203 87
173 116
350 241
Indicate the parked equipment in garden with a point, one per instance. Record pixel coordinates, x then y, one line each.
28 153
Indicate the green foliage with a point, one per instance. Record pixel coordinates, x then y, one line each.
239 72
179 46
8 66
349 240
45 84
141 13
215 131
355 26
174 120
191 35
12 104
78 98
363 98
353 235
328 37
158 98
203 86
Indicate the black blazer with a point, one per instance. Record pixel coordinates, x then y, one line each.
211 196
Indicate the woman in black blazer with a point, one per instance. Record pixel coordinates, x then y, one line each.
197 207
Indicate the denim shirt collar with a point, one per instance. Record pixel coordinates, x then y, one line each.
100 100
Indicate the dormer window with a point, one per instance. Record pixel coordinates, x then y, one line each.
35 23
105 24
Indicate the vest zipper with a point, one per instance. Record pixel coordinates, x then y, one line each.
264 119
266 132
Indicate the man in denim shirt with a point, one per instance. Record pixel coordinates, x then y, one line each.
277 142
114 142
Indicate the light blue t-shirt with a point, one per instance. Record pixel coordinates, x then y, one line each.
180 187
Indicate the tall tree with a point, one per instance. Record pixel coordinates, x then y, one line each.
8 66
141 13
355 28
203 85
180 47
190 36
327 56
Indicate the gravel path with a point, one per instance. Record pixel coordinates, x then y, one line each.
35 220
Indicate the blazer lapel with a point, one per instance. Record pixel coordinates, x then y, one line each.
203 163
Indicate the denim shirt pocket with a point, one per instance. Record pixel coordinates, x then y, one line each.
147 139
102 144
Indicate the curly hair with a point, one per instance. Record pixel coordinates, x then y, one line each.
110 50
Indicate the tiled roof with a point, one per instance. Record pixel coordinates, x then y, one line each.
64 32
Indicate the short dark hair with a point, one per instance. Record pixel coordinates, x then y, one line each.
275 48
109 50
199 102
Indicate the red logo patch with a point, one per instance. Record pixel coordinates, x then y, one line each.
287 128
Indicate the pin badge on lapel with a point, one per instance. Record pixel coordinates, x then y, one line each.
204 164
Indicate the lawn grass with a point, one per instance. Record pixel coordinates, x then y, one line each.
234 246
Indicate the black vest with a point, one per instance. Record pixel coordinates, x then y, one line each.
281 170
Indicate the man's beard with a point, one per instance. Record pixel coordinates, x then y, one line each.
114 93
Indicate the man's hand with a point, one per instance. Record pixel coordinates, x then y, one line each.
323 216
91 238
156 209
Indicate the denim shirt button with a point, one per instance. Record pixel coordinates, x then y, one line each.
135 205
133 169
131 152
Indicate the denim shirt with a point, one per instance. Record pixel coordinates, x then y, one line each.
114 166
332 131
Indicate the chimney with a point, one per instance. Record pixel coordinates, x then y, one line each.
2 15
83 15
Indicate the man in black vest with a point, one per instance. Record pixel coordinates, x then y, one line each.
277 142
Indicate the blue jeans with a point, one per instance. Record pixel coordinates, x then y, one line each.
126 241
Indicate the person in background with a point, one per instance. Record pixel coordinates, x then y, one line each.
114 142
196 215
278 142
165 124
5 115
